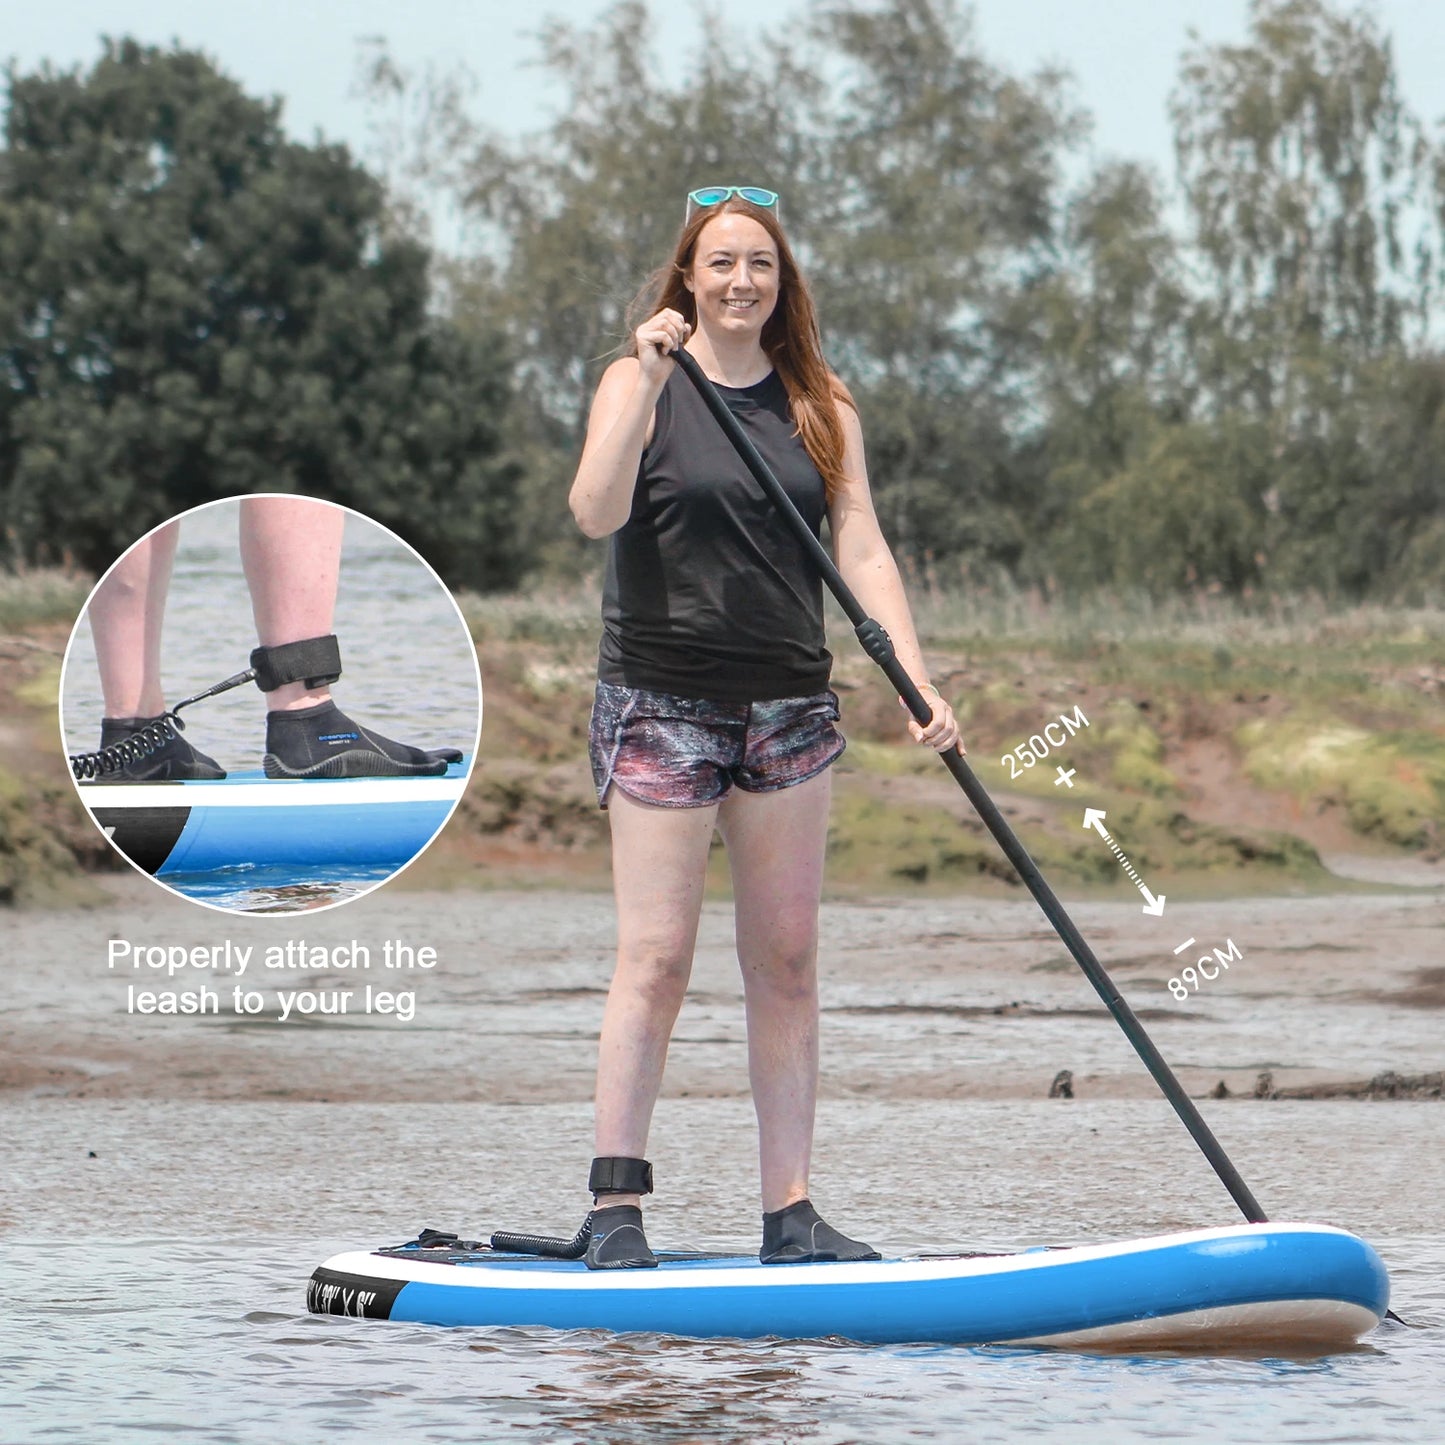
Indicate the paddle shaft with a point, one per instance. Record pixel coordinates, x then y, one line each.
877 645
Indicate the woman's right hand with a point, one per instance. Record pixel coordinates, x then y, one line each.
657 336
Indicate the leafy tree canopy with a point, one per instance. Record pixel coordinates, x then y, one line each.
195 307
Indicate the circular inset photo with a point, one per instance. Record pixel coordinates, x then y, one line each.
271 704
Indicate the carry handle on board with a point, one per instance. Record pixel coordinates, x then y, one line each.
876 644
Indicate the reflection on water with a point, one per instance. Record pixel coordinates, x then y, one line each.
251 889
173 1302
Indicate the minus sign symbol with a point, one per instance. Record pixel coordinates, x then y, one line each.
1183 946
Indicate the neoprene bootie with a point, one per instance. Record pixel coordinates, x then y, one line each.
797 1235
618 1240
322 742
174 760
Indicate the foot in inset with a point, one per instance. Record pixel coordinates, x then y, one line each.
322 742
319 740
798 1235
151 750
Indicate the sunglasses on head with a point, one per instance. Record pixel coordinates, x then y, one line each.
715 195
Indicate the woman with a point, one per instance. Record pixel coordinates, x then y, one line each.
712 707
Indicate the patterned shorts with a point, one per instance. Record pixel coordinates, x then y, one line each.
682 752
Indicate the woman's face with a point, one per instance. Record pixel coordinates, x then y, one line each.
734 277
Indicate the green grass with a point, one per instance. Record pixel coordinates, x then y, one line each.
30 598
1198 622
565 618
1391 783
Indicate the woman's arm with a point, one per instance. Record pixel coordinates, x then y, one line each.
867 565
620 426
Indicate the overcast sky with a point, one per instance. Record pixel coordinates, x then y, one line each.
1123 53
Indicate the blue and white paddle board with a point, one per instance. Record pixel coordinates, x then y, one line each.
248 819
1304 1287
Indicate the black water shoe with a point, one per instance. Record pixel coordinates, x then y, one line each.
322 742
796 1235
151 750
618 1241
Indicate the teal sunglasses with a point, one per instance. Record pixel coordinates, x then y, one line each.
715 195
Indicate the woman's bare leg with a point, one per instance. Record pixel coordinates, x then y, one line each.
291 553
775 845
126 615
659 860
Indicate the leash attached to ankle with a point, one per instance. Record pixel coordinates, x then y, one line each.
617 1238
617 1174
316 661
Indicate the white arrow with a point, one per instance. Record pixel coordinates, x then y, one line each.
1094 818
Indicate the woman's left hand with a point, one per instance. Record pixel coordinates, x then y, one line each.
941 731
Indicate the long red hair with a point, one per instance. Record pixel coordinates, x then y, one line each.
790 339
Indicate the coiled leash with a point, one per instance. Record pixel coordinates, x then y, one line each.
544 1245
150 739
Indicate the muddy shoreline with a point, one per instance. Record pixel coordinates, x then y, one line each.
962 998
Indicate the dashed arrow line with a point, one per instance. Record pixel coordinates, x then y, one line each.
1094 818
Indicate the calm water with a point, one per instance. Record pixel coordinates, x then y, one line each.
170 1301
168 1185
410 672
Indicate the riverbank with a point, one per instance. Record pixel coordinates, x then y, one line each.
1287 748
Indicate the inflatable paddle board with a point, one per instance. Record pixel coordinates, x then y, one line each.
1254 1286
250 819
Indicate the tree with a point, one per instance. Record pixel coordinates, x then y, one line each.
1113 376
196 307
1055 384
918 187
936 216
1307 182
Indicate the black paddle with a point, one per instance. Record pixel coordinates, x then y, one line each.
877 645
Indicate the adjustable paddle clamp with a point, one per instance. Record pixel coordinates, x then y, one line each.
616 1174
876 643
316 661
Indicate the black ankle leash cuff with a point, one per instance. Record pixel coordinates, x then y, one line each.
613 1174
316 661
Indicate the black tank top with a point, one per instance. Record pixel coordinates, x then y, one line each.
708 593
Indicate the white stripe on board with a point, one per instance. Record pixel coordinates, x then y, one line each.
282 793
